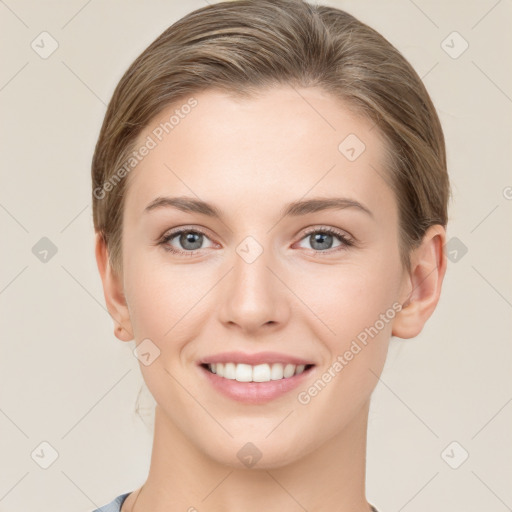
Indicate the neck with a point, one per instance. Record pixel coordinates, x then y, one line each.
331 477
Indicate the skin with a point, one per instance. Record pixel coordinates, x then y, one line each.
250 157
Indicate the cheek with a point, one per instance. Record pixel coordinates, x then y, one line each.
150 308
358 309
352 297
165 302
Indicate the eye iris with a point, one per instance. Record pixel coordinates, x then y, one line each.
320 238
189 237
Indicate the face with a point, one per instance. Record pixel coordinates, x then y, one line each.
293 265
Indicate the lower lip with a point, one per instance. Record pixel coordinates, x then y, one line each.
255 392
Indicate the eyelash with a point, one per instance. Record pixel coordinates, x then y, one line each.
346 242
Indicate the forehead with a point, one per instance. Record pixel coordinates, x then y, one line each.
276 147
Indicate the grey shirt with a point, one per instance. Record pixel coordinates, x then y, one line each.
115 506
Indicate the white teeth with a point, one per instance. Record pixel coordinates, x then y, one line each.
261 373
289 370
243 372
300 369
277 371
258 373
230 371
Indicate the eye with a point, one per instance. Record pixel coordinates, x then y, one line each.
188 240
321 239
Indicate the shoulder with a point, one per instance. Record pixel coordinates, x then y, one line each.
114 505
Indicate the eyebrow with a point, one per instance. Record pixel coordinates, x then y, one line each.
293 209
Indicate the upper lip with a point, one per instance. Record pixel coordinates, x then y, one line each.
254 359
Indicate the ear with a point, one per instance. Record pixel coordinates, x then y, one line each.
113 291
422 286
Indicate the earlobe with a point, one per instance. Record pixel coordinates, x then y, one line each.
113 292
422 287
122 334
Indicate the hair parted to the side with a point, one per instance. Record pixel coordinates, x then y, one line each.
245 46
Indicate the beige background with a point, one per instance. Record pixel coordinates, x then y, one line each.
66 380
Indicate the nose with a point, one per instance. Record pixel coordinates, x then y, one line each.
254 297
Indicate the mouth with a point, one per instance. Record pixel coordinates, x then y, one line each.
265 372
255 378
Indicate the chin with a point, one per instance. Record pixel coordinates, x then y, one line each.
255 452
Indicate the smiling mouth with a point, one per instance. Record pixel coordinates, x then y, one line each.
256 373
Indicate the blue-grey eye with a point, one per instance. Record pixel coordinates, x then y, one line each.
191 240
322 239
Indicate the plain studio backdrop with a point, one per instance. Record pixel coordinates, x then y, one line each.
440 423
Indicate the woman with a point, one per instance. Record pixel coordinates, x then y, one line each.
270 200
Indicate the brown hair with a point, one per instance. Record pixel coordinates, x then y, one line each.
244 46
